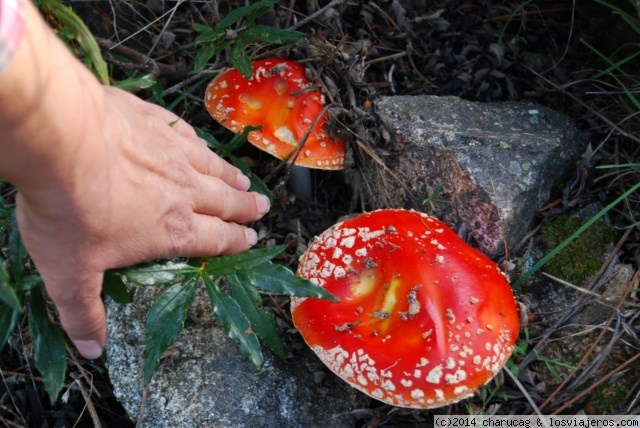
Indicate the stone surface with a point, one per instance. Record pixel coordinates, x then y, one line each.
204 381
494 163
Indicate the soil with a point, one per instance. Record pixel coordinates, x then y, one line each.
486 51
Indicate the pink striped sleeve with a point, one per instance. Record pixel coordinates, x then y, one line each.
11 28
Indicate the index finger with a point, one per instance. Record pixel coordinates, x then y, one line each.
209 163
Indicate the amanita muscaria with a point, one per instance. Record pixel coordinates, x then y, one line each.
281 100
423 319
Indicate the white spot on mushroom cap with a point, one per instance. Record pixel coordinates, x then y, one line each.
417 394
348 242
435 375
457 377
285 135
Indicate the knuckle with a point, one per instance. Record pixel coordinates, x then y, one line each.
179 227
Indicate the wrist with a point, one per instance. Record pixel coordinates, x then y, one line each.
11 29
47 98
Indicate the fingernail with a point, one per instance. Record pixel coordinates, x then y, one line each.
242 182
263 204
251 235
90 349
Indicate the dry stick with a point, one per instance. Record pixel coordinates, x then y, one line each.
524 391
632 283
143 61
598 383
88 404
315 14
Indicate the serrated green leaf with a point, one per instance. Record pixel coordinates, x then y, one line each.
203 55
7 294
239 59
164 323
49 346
251 11
136 83
158 273
8 321
229 265
210 35
268 34
277 279
262 321
114 287
235 323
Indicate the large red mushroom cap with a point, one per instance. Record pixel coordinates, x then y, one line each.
281 99
423 319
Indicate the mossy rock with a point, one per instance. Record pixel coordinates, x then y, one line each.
581 258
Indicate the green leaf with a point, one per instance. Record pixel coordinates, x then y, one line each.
251 11
208 34
212 141
257 185
114 287
240 139
73 24
239 59
136 83
235 323
8 321
49 346
164 323
262 321
158 273
268 34
278 279
229 265
17 252
7 294
203 55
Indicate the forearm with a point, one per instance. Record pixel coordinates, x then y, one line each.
44 97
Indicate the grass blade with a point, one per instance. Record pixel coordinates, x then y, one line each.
575 235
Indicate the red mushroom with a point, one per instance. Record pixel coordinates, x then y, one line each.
423 318
280 98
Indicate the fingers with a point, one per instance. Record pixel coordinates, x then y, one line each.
211 196
210 164
81 310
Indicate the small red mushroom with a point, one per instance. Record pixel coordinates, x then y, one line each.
281 99
423 319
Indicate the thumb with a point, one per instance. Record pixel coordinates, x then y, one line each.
81 310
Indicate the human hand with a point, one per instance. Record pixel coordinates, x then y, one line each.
138 185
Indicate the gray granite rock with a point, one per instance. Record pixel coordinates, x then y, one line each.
494 163
204 381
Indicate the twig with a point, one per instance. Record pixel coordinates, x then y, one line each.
633 283
88 404
142 61
598 383
315 14
532 403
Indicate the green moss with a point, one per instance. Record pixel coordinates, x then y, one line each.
608 397
581 258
